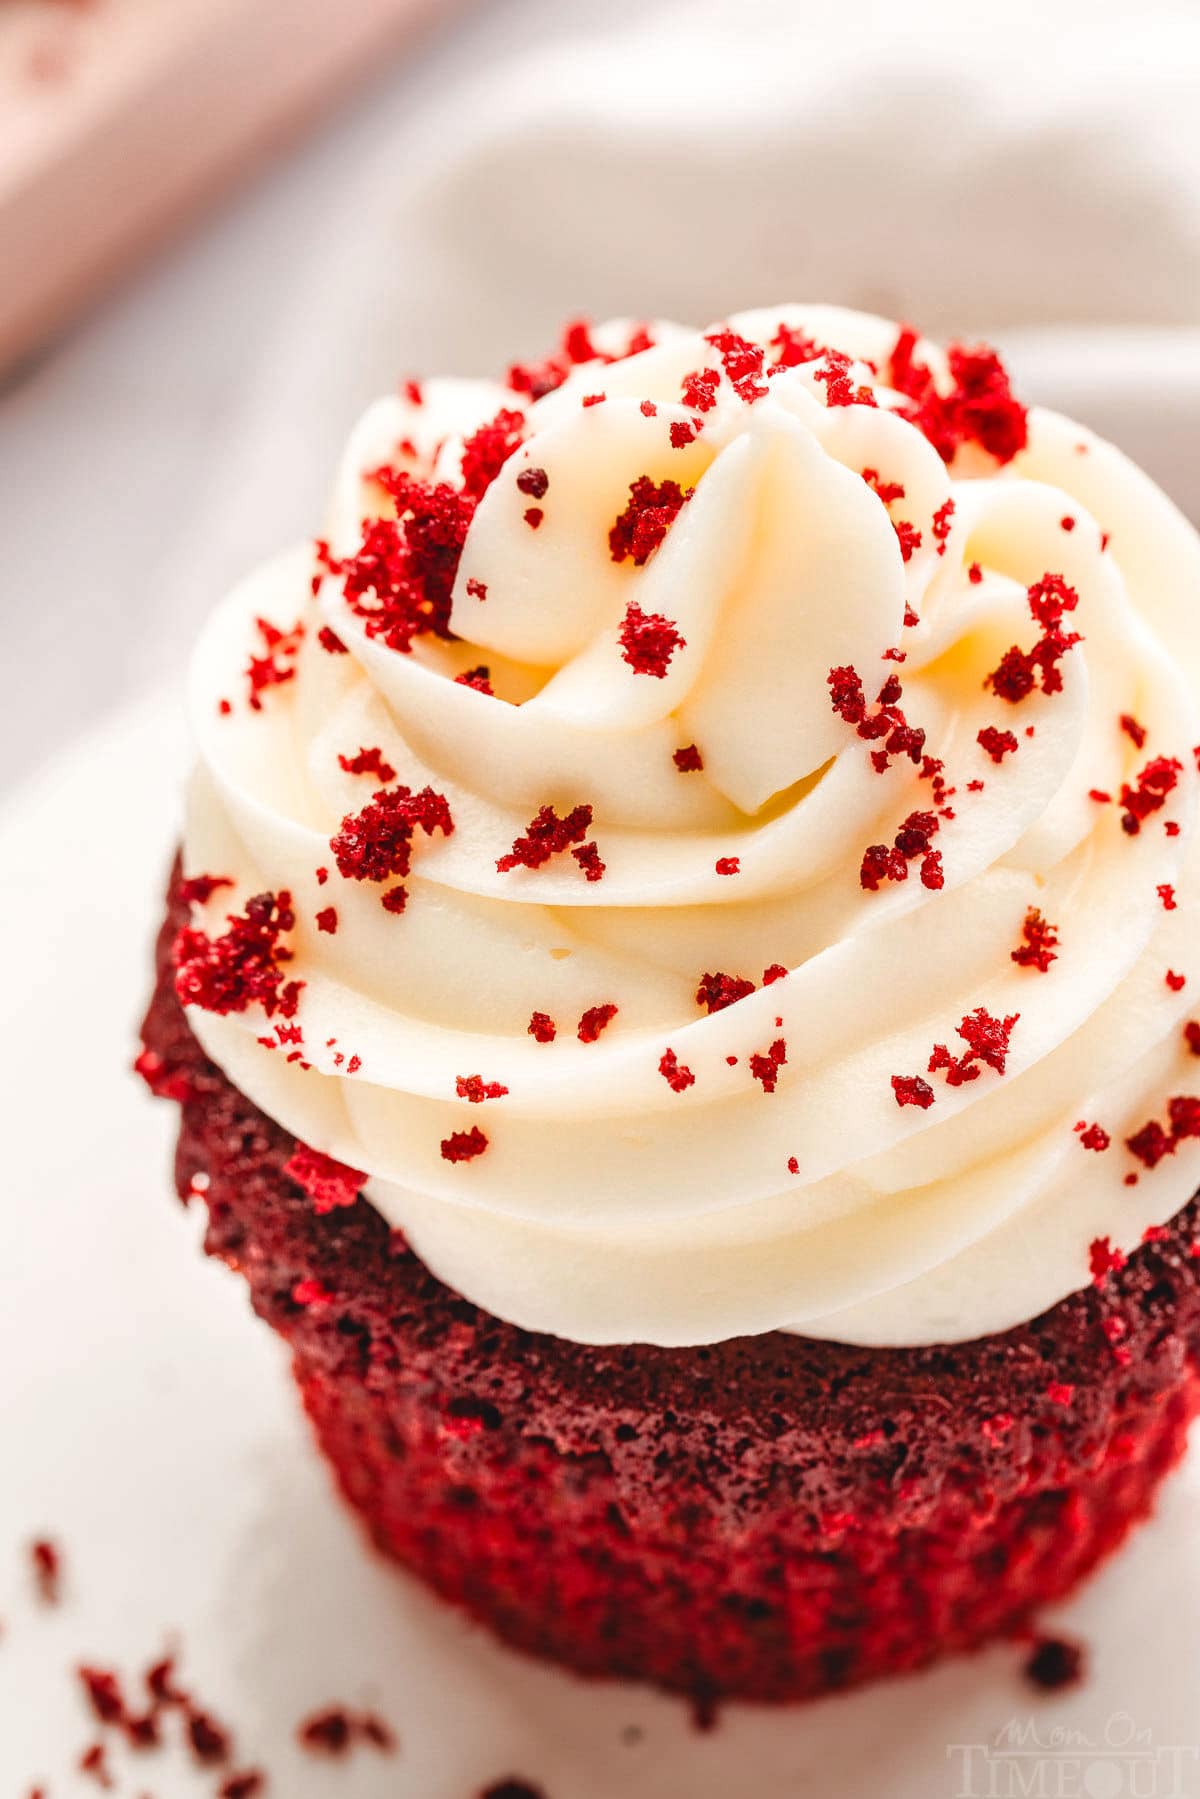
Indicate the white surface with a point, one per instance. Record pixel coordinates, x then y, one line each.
149 1426
984 169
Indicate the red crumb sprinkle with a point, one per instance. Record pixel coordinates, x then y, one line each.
987 1039
699 391
247 1784
376 843
400 580
533 482
775 972
464 1146
1176 982
411 391
675 1073
511 1789
368 762
911 1090
277 664
975 574
1093 1136
1060 1392
648 409
885 723
1153 1142
322 876
688 760
648 641
681 434
1149 792
244 966
1104 1260
1191 1036
477 590
480 679
716 991
913 839
742 362
200 888
1067 522
1171 827
1166 894
487 450
1133 730
1039 944
793 1165
765 1068
888 491
330 642
979 407
94 1762
547 835
1020 671
474 1088
102 1690
909 538
997 743
840 388
728 865
533 516
394 900
46 1558
942 519
595 1020
588 857
326 1732
209 1740
327 920
1099 796
649 515
542 1028
328 1183
224 708
1055 1663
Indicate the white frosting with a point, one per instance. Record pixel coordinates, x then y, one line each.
607 1206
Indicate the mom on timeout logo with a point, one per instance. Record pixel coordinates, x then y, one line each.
1023 1761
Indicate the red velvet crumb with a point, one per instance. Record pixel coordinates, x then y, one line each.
277 663
1149 792
911 1090
1020 671
716 991
728 865
997 743
1055 1663
688 760
675 1073
548 835
649 515
246 1784
474 1088
368 762
987 1039
648 641
1093 1136
327 920
1104 1260
464 1146
376 843
244 966
46 1558
1039 945
595 1020
765 1068
543 1029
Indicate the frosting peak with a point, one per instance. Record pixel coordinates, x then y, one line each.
734 797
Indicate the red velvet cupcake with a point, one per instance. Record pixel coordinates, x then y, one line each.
677 990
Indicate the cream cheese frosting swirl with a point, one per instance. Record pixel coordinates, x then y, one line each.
865 711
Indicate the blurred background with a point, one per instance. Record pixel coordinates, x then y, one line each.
226 224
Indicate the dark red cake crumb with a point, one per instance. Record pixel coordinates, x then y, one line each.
1149 792
911 1090
103 1691
716 991
987 1040
368 762
511 1789
327 920
651 511
595 1020
546 835
728 865
328 1183
334 1730
765 1068
1039 942
1104 1260
675 1073
979 407
474 1088
1133 730
1175 981
1191 1036
244 966
997 743
376 844
688 760
464 1146
1166 894
94 1763
248 1783
648 641
277 664
209 1741
543 1029
1093 1136
478 679
1020 671
1055 1663
46 1558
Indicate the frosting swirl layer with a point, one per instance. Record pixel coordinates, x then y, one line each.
736 812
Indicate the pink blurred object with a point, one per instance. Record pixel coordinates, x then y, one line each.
119 117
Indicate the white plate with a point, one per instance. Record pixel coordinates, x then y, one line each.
149 1426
